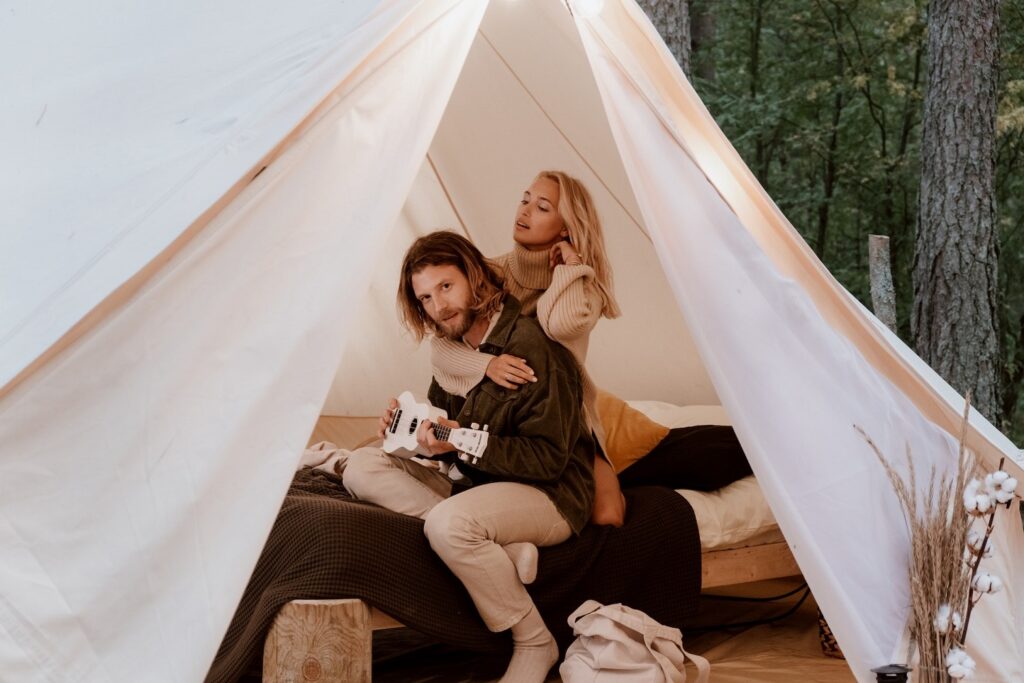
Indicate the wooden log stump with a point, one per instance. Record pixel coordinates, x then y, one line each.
319 641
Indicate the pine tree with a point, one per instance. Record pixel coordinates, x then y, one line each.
955 316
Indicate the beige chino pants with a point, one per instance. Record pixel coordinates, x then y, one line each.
468 530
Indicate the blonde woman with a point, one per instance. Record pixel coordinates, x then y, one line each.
559 271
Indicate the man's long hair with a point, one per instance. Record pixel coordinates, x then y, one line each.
446 248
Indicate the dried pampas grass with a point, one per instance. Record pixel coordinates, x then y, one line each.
938 573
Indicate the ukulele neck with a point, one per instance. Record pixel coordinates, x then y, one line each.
441 432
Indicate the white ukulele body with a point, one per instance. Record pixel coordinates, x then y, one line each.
400 436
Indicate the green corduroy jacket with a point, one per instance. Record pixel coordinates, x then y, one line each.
538 435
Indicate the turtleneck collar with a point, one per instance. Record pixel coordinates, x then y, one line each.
530 269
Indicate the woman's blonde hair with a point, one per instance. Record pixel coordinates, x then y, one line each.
579 214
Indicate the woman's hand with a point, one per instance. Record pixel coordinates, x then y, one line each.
564 252
509 372
425 436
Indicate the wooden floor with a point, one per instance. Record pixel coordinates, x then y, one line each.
782 651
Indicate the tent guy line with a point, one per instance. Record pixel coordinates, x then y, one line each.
563 134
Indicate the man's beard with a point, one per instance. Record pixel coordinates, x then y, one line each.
462 322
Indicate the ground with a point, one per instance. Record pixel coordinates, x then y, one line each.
786 650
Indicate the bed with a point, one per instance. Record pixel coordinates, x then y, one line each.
739 537
740 542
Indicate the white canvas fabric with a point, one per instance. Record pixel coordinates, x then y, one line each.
765 384
178 315
142 467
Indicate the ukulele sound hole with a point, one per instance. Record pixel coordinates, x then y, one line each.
412 425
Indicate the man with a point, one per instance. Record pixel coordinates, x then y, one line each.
532 484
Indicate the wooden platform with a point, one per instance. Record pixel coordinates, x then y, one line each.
330 640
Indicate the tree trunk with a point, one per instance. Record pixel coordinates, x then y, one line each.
672 19
1013 376
760 167
702 27
831 166
883 295
955 321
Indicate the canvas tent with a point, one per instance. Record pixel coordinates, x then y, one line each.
204 210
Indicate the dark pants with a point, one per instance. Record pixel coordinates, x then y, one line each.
701 458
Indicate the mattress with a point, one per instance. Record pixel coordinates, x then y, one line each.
735 516
732 517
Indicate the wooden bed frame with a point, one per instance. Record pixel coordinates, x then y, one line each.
330 640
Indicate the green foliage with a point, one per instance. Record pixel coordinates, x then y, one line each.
823 100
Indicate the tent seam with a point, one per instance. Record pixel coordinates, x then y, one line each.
141 277
448 196
565 136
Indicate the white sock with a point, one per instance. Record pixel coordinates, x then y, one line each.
534 651
524 556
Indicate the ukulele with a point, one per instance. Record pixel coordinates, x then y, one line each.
400 435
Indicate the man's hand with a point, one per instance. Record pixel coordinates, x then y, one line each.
425 436
385 421
509 372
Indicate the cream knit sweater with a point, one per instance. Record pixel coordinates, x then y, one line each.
567 305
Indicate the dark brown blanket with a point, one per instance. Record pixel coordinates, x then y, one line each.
326 545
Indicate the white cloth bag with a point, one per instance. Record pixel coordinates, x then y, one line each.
621 644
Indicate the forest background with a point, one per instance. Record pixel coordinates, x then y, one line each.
824 100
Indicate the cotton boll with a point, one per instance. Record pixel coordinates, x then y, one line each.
1000 486
975 540
959 664
942 620
987 583
982 503
973 498
959 671
946 618
992 488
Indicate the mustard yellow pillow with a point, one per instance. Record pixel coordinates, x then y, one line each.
629 434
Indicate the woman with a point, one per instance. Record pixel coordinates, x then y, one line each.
559 271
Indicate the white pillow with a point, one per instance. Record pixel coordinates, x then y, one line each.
734 516
673 416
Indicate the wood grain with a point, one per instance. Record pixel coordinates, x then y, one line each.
746 565
319 640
